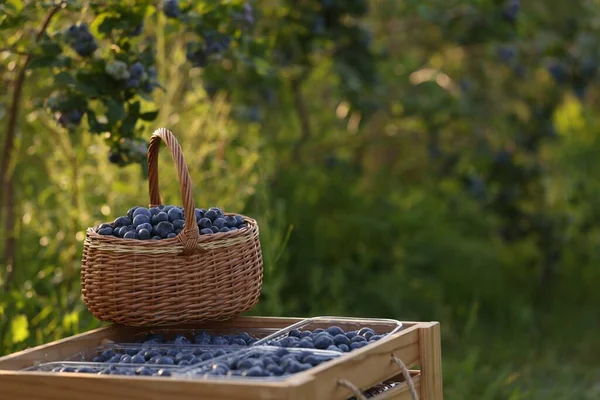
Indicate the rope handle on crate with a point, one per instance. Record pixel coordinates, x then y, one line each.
189 235
405 372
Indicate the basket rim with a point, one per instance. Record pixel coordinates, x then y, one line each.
93 235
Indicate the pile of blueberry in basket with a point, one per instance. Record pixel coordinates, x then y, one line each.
166 222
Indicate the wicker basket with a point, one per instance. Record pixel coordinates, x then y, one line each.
186 279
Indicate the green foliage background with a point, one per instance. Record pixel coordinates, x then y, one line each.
444 174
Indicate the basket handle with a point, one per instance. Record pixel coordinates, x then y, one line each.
189 235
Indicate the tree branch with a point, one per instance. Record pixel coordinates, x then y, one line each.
6 173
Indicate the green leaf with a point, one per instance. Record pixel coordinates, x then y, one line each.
149 116
19 328
95 126
41 62
88 90
64 78
17 5
134 108
115 111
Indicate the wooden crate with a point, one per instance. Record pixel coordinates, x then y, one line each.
417 345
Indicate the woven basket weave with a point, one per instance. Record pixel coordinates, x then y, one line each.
186 279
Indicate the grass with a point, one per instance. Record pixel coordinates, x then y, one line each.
507 364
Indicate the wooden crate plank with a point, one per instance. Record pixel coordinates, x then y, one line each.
430 361
44 386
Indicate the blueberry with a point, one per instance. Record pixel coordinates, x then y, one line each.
293 366
231 221
163 372
245 364
344 347
358 345
164 361
351 334
206 356
136 70
142 211
171 235
223 229
333 348
171 8
214 229
286 342
239 342
305 334
221 368
200 337
244 336
363 331
122 221
217 210
220 223
219 340
240 220
145 226
275 369
335 330
204 223
184 356
255 371
140 219
195 361
312 359
163 229
98 359
149 354
184 363
252 341
181 340
375 338
114 359
199 212
153 211
105 225
106 354
156 238
341 339
211 215
106 231
138 359
174 352
368 335
85 370
143 371
179 223
305 344
174 214
275 343
125 359
357 339
130 235
281 352
160 217
294 333
323 341
144 234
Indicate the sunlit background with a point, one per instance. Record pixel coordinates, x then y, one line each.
418 160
